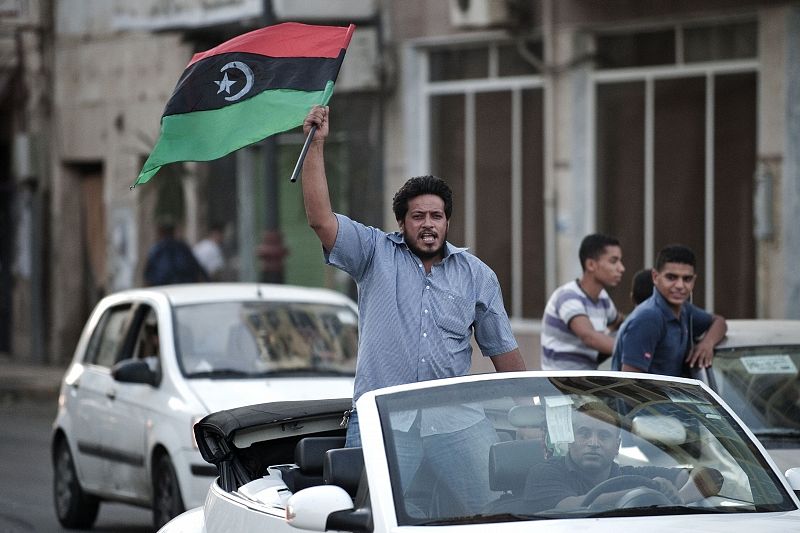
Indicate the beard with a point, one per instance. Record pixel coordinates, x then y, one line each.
424 254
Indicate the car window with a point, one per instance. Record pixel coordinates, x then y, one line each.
762 385
106 339
257 338
147 339
569 447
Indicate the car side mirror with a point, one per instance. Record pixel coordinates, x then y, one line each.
793 477
323 508
134 371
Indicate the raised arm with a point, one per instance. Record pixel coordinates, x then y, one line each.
315 184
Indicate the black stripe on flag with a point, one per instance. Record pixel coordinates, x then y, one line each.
225 79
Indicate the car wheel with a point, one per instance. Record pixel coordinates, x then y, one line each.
167 500
75 509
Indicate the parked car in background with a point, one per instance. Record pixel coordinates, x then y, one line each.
756 372
282 467
151 362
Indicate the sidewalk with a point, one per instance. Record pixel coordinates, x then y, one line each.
26 381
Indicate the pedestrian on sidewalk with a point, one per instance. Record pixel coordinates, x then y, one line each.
580 315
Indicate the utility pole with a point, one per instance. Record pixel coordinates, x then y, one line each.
271 251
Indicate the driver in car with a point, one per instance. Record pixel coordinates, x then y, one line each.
566 482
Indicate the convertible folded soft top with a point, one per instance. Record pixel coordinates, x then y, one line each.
242 442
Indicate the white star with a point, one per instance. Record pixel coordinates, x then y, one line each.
224 84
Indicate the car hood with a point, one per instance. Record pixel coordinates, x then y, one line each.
221 394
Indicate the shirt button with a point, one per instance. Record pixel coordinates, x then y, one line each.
424 334
423 359
427 286
420 265
426 311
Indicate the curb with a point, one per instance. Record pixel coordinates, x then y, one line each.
23 382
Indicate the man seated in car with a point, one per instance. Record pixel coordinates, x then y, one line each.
563 482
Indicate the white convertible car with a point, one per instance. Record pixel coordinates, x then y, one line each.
524 451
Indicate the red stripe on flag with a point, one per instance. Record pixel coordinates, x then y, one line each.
289 39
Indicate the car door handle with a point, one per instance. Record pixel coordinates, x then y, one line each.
111 393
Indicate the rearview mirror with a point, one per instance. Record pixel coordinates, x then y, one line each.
658 428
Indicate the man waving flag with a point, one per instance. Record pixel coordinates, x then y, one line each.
253 86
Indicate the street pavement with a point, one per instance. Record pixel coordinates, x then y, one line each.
22 381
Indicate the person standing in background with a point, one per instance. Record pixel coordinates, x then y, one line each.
170 260
642 286
641 289
209 252
659 336
579 314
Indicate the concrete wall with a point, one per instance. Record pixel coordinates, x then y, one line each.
110 93
771 129
790 188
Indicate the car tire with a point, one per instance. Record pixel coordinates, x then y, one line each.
167 500
74 508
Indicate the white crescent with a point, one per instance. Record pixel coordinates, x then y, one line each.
248 75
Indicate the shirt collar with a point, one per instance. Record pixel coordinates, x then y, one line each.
661 303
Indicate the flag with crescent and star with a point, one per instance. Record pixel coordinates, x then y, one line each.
246 89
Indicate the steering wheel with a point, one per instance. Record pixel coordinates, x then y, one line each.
632 483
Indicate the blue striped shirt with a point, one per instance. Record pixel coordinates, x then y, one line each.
561 348
415 326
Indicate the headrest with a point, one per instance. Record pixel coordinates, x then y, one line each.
509 462
343 467
526 415
310 451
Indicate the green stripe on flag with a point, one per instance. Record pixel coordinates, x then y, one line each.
207 135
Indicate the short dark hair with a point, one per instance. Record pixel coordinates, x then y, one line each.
642 286
593 246
417 186
675 253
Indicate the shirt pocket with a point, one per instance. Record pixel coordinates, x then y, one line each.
454 315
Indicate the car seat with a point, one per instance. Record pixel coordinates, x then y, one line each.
509 463
343 467
309 454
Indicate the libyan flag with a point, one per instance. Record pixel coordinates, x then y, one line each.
246 89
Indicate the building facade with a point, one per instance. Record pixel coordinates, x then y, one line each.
657 122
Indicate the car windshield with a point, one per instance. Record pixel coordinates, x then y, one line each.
249 339
522 448
762 386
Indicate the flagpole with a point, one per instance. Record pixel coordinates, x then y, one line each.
299 165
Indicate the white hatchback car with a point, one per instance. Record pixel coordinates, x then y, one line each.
151 362
606 452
